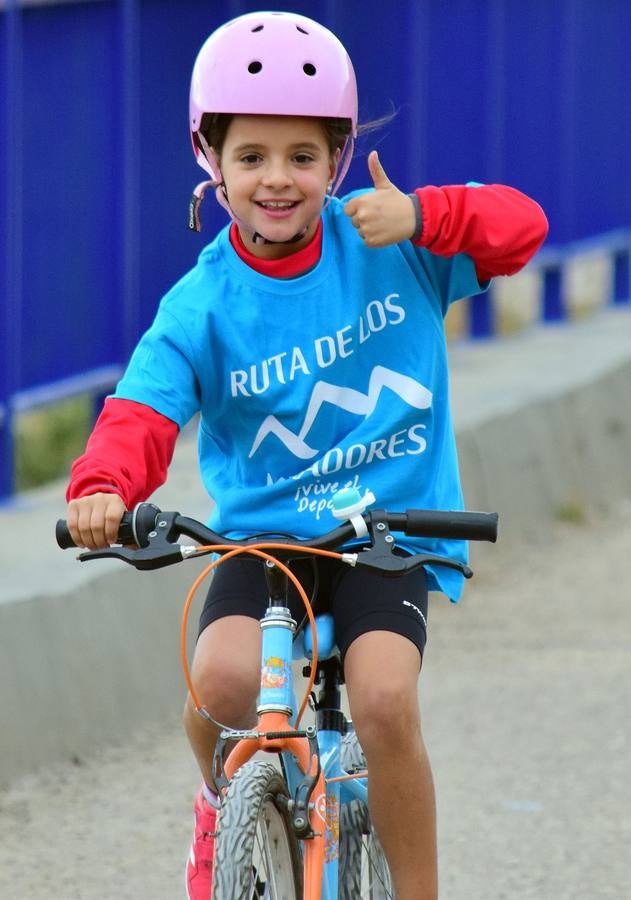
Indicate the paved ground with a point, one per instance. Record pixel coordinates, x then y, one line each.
527 714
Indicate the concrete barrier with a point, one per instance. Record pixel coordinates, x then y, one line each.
544 422
90 653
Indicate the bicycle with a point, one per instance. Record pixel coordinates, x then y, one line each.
291 828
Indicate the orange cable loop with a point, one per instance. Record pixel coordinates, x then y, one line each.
259 551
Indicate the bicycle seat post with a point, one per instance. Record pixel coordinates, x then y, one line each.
329 714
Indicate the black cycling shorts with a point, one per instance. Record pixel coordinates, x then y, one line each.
360 600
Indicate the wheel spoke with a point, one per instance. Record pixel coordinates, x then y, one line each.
376 870
266 853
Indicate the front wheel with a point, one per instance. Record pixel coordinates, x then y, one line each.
363 867
256 850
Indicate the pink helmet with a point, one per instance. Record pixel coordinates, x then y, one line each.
272 63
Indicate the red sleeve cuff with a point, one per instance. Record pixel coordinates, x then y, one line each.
497 226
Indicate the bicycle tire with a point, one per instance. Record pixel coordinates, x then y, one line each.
256 849
363 869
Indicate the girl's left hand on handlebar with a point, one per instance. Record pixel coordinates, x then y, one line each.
384 216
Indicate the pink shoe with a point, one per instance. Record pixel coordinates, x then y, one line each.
199 866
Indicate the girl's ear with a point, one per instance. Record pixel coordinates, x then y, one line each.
215 160
335 159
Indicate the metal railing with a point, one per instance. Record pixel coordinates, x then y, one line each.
551 267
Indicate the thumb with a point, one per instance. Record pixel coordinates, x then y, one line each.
377 171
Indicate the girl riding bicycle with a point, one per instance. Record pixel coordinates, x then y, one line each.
309 335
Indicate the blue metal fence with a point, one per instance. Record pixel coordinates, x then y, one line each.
96 168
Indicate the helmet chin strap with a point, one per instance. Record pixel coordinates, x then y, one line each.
221 193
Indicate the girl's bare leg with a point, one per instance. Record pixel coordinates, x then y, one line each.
226 675
381 671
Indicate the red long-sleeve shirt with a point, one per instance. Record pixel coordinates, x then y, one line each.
500 228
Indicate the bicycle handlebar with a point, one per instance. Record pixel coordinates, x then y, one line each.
156 533
137 525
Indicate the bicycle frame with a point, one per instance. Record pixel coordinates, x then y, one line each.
311 760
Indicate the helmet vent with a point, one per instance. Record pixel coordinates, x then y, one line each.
302 30
309 69
255 67
258 28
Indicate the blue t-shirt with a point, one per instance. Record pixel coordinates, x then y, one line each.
306 385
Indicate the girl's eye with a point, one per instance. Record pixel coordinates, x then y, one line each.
303 158
250 159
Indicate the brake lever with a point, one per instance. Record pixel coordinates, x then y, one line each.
389 564
380 556
158 554
426 560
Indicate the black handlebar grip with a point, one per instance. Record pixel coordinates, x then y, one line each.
62 535
125 532
465 526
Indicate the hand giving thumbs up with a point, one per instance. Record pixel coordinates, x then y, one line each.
384 216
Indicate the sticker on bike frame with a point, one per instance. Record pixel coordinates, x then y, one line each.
320 806
274 673
332 849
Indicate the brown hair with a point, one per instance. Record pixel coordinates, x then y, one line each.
214 127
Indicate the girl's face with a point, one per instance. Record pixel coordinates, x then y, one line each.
276 170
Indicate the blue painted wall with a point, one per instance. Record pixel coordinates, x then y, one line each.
96 168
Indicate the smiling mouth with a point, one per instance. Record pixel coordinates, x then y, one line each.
277 204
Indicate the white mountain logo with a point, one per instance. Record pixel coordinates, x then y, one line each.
409 390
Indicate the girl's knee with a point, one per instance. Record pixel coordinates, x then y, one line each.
383 713
226 667
226 687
